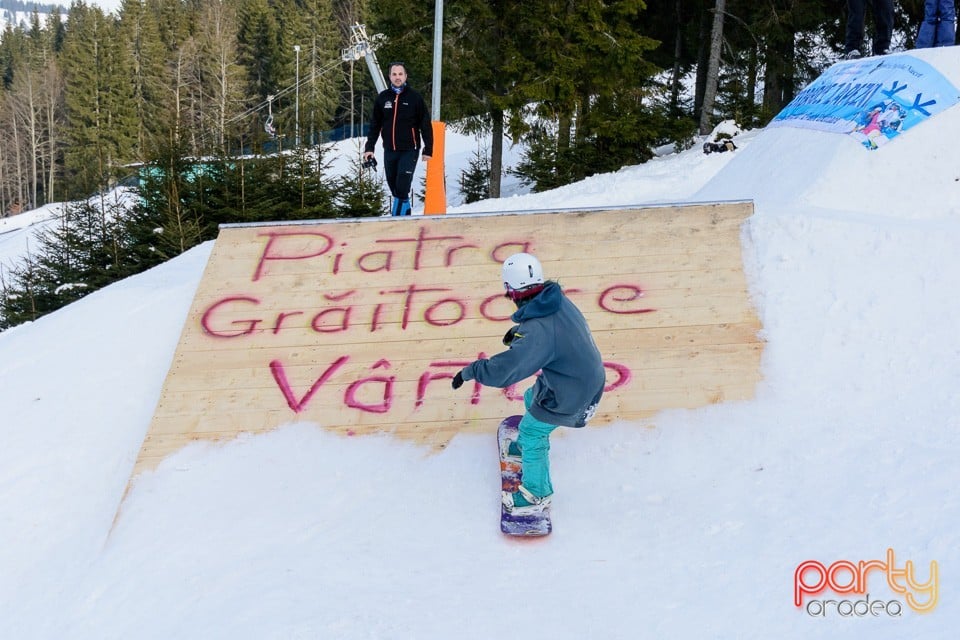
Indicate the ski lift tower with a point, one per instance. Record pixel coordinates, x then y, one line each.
363 47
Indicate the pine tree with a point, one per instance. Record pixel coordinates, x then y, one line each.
587 72
13 183
100 114
35 98
309 25
259 51
475 179
12 47
24 296
300 190
78 255
540 167
139 30
222 79
176 197
359 194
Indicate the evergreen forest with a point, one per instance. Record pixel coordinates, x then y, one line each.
216 109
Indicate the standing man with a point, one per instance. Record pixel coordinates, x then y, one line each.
882 27
551 337
401 119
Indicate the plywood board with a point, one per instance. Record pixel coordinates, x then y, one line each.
358 326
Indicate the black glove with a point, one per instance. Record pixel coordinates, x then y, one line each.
458 380
509 336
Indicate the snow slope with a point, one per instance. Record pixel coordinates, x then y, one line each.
691 529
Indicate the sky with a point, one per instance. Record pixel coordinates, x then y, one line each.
694 527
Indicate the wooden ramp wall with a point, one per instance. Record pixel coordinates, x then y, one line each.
359 326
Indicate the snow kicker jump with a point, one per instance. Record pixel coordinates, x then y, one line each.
359 326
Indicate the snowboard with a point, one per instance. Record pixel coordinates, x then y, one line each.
510 476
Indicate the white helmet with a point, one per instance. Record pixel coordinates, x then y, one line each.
521 270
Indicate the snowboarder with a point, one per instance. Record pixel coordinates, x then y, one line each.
551 337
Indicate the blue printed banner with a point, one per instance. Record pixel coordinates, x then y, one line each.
874 99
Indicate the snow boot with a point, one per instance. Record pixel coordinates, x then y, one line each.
524 503
401 207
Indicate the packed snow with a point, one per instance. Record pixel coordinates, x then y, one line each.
693 528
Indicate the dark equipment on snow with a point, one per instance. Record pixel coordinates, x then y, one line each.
718 147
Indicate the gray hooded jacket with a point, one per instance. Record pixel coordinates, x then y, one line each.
553 338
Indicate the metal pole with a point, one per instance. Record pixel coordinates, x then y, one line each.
296 49
436 196
375 71
353 102
437 60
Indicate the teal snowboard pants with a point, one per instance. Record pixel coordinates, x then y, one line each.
534 443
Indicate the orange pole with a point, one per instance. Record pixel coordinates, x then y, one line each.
435 201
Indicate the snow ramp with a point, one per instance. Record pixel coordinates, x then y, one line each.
358 326
849 139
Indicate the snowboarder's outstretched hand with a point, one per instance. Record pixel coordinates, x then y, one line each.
458 380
